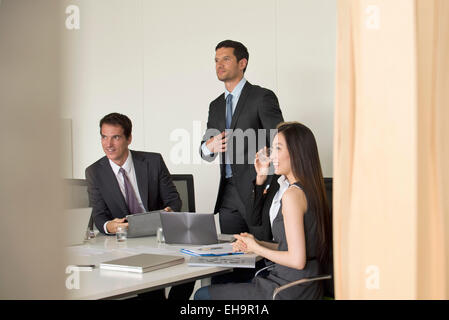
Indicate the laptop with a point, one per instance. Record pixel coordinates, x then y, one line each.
75 222
143 224
190 228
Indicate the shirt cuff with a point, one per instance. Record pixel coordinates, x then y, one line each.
106 229
206 150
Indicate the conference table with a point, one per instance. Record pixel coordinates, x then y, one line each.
107 284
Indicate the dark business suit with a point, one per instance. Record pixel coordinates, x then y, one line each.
156 190
257 108
156 187
259 205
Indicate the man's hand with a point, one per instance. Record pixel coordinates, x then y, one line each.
217 143
113 224
168 209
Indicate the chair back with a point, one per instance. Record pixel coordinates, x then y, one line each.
76 196
76 193
184 185
329 269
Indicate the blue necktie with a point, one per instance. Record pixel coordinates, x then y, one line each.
228 126
228 111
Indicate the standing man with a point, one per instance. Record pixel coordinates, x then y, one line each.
126 182
243 106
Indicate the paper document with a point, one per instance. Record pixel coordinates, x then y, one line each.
240 261
212 250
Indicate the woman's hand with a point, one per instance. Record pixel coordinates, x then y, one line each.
239 246
245 243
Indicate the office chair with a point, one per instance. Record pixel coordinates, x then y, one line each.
184 185
77 197
329 269
76 193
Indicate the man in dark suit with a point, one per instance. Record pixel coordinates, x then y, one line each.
241 121
126 182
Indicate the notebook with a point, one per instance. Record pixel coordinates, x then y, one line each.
141 263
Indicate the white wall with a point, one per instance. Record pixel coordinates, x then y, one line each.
154 61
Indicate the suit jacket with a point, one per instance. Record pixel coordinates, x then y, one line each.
156 187
258 205
257 108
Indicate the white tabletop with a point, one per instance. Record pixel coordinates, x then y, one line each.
100 284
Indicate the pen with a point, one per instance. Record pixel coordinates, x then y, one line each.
84 267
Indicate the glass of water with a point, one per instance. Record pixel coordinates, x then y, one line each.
262 163
121 233
160 235
264 155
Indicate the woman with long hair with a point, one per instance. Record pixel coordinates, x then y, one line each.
297 208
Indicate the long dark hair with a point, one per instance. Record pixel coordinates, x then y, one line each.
306 167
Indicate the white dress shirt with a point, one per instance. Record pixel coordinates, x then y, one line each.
235 99
128 166
276 204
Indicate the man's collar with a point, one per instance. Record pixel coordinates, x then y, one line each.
237 90
126 166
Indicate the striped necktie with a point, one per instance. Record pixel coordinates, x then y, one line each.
131 199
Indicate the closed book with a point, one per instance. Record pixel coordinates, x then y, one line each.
141 263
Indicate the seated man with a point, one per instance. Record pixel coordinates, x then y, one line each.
126 182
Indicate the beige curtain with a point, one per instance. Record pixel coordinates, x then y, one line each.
391 184
31 246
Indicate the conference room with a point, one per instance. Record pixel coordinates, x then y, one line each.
368 78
